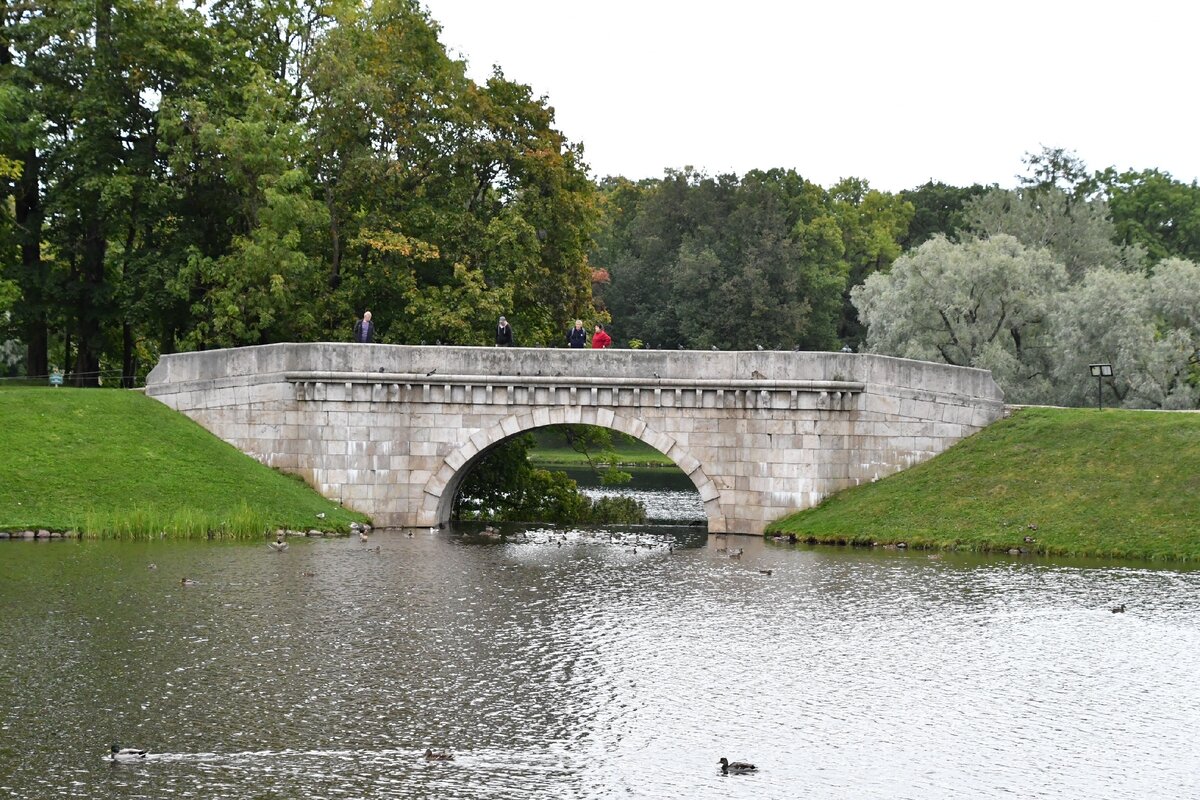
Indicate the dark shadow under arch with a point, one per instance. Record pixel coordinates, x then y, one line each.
443 484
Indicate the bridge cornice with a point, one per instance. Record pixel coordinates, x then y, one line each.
417 379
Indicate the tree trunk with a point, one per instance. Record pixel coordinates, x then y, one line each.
335 239
33 275
91 334
128 357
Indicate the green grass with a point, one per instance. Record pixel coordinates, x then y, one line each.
114 463
1111 484
553 451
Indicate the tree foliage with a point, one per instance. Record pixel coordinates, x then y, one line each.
980 303
255 171
995 304
503 485
734 263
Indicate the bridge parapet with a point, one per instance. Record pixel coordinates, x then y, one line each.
392 430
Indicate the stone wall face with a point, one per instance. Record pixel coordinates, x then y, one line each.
392 430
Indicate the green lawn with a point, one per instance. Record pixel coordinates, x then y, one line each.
110 462
552 450
1117 484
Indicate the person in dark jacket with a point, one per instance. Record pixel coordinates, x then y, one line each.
504 334
364 329
577 336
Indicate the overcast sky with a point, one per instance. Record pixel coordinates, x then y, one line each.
894 92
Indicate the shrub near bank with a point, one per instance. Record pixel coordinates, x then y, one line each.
114 463
1079 482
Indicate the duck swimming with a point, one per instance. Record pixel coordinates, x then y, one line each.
119 753
279 545
187 582
736 766
438 756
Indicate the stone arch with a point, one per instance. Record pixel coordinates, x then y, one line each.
441 487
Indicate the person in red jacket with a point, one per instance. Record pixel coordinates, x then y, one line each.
600 339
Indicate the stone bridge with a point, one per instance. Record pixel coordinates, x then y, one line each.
392 430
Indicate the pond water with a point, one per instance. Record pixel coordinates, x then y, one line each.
591 664
666 493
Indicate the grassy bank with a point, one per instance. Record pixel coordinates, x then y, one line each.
113 463
1114 484
552 450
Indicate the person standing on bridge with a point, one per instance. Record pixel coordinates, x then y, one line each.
504 334
364 329
600 339
577 336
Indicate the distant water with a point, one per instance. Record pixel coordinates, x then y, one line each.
666 493
591 664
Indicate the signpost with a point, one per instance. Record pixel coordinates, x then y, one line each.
56 378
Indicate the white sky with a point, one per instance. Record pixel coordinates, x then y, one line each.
893 92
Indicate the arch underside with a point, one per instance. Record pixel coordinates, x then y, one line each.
442 486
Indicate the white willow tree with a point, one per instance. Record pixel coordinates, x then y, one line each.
1146 326
979 303
1077 232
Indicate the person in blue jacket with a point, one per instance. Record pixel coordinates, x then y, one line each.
577 336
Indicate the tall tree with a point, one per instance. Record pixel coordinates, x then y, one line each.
1146 326
449 202
1152 210
937 208
872 223
1077 232
979 303
732 262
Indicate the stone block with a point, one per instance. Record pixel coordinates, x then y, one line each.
435 485
630 425
448 435
659 441
684 461
425 448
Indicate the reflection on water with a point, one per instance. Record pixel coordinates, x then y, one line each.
590 664
666 493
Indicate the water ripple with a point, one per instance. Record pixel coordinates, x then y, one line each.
562 663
